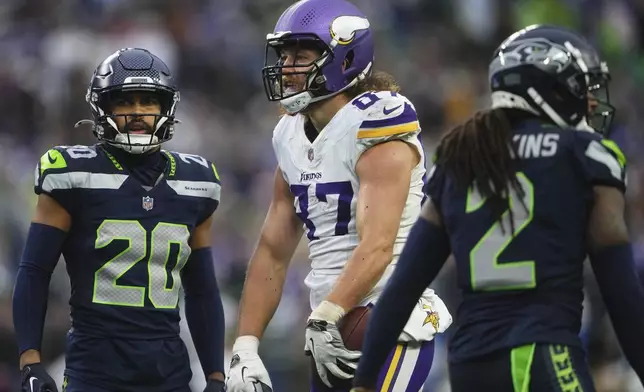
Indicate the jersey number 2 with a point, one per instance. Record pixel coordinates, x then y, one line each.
108 292
345 194
486 273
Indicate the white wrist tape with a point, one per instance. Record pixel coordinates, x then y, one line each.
328 311
246 342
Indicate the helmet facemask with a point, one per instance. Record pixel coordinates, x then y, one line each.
600 111
281 79
134 135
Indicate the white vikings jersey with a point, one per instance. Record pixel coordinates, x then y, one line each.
322 177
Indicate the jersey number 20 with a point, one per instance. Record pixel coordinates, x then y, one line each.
486 273
108 292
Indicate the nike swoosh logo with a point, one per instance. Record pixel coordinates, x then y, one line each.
50 159
386 111
31 383
243 369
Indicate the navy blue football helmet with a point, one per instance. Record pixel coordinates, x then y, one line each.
132 69
553 73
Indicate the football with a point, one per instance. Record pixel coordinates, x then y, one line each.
352 328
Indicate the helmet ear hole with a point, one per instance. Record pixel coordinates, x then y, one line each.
348 60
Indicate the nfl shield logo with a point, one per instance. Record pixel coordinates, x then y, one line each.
311 156
148 203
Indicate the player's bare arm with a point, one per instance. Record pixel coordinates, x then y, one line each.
262 291
612 260
422 258
50 213
280 234
384 172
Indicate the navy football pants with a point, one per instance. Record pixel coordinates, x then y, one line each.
531 368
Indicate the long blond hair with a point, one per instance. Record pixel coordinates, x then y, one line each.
377 81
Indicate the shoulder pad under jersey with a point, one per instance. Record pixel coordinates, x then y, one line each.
193 175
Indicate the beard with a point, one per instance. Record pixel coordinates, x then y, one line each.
138 126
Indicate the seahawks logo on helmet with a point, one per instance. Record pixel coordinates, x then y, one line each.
536 51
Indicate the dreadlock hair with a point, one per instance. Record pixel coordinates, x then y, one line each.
480 154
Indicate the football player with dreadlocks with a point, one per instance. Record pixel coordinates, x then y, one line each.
521 194
350 173
133 223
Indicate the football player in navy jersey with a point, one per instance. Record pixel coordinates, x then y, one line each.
133 223
521 194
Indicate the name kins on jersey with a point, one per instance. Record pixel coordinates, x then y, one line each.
310 176
540 145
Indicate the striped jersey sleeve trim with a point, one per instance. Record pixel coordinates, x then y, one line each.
388 131
82 180
408 115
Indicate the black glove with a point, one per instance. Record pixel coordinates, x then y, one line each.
36 379
215 386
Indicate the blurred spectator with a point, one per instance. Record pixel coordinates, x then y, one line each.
438 50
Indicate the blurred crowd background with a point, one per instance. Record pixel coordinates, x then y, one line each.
437 49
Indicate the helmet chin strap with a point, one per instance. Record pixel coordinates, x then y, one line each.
301 101
504 99
136 143
582 125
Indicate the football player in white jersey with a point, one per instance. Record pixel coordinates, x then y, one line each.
351 169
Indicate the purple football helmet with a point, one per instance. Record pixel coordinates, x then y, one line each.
339 31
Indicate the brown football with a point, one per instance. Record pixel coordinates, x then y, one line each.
352 328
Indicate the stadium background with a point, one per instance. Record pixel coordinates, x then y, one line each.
437 49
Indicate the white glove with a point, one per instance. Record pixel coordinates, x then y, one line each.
324 343
247 372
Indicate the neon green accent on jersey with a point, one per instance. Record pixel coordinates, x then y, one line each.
52 159
471 204
486 273
611 145
159 294
106 289
173 163
564 368
521 362
214 169
114 161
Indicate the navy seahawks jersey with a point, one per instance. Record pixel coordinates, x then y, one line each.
127 245
527 287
